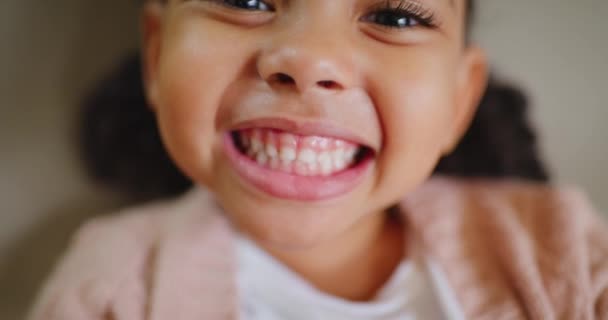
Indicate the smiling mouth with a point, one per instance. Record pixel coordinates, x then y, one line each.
306 156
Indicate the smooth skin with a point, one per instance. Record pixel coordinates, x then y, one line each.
409 91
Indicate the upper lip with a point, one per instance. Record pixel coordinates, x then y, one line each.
307 128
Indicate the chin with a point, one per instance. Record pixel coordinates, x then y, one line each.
288 225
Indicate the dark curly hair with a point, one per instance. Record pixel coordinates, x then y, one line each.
121 146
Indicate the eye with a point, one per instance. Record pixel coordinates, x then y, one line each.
392 19
401 15
249 5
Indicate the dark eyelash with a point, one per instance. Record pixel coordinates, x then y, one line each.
222 3
409 8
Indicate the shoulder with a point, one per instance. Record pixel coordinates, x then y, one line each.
527 202
107 257
113 241
549 235
550 222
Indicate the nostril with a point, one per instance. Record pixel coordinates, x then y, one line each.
329 84
282 78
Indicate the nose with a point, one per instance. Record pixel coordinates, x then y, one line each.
306 63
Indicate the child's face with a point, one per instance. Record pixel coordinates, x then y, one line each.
303 116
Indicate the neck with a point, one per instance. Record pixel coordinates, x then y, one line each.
354 264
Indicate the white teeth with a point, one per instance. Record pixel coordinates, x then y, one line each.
350 153
256 145
288 154
338 159
338 154
307 156
323 143
272 151
339 166
301 169
313 167
261 158
288 139
325 162
324 157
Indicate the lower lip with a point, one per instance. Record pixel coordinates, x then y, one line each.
293 187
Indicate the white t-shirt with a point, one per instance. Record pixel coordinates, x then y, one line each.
268 290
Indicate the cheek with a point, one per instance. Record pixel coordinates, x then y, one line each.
415 99
190 93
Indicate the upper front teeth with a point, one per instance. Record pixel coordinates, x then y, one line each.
288 154
307 156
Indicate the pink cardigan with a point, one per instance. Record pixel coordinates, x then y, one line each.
509 250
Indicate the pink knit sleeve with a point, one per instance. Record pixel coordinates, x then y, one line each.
99 278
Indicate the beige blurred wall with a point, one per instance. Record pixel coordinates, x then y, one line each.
53 50
50 52
558 50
